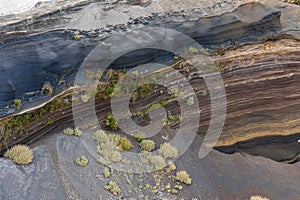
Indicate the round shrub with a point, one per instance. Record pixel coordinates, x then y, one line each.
168 151
157 162
183 177
147 145
100 137
125 144
20 154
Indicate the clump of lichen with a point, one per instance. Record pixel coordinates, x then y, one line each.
82 161
20 154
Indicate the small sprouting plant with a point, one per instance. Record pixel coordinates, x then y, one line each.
183 177
172 166
140 137
18 103
220 50
111 122
106 172
190 101
48 121
163 102
113 188
193 50
77 132
77 36
147 145
20 154
168 151
82 161
169 120
47 88
125 144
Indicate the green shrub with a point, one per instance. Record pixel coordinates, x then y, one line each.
18 103
111 122
114 139
157 162
183 177
47 88
68 131
125 144
168 151
48 121
113 188
20 154
83 161
163 102
147 145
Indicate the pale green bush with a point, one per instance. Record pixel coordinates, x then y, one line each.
147 145
166 150
20 154
157 162
183 177
100 137
68 131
